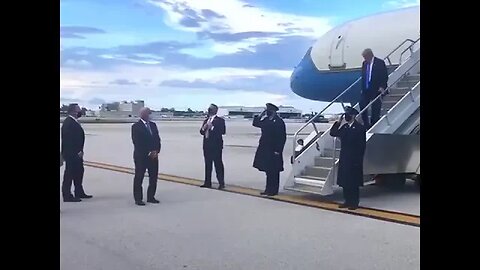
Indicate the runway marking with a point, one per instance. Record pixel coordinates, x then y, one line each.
380 214
239 146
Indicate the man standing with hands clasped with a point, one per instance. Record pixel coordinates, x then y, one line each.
147 144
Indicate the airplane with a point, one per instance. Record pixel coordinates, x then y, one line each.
334 62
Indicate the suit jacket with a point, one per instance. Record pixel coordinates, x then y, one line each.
215 135
143 141
73 138
379 76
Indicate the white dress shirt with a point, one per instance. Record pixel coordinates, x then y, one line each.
370 70
76 120
210 120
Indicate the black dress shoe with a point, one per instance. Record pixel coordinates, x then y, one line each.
153 200
221 187
272 194
263 193
140 203
72 199
206 186
84 196
352 207
343 206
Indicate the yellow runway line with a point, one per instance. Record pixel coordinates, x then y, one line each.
391 216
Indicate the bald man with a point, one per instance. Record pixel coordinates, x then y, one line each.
147 145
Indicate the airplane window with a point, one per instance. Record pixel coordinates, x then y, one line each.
339 37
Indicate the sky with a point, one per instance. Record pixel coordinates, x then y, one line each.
190 53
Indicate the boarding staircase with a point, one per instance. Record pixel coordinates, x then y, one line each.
391 148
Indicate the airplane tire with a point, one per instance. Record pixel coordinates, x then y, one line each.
417 181
394 181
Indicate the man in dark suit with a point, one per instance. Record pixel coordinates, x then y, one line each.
73 140
213 129
147 145
350 168
374 83
269 155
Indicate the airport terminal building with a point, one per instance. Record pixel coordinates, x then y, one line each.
249 112
122 109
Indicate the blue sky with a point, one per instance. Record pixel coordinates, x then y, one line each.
191 53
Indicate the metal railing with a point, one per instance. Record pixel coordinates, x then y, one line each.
387 58
334 155
386 91
311 120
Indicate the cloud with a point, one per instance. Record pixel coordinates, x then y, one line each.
81 82
77 63
227 37
123 82
265 83
78 32
96 101
189 22
156 48
235 21
148 54
210 14
401 3
69 100
257 87
237 16
282 54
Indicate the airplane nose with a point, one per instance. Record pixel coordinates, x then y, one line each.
300 73
296 76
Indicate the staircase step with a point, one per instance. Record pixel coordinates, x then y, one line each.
386 107
413 77
306 184
392 97
407 83
399 90
324 161
390 101
310 181
317 171
305 189
368 179
309 178
329 153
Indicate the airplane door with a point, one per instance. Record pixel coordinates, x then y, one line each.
337 60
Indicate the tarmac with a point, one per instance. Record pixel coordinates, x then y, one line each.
194 228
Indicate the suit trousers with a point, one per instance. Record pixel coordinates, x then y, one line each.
141 166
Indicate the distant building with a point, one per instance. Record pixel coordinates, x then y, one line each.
90 113
249 112
121 109
156 115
